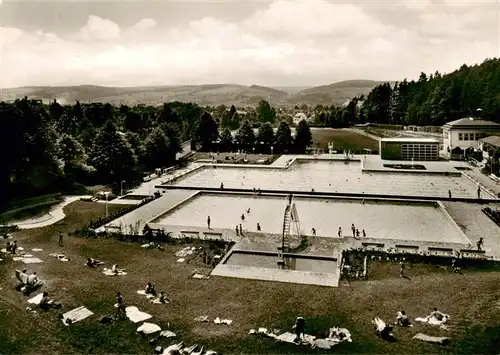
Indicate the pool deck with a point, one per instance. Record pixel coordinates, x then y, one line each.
149 211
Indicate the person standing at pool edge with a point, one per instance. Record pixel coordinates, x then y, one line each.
208 222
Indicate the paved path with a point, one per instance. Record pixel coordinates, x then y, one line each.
55 215
140 216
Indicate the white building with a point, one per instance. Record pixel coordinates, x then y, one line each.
465 133
299 117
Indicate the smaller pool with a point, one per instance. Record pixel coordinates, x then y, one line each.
269 261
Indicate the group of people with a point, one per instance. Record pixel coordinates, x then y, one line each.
29 280
150 290
385 330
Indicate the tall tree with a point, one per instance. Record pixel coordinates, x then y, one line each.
283 138
112 155
226 139
265 112
265 134
303 137
245 134
157 149
207 130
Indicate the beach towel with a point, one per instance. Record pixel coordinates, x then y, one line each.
433 320
168 334
32 260
135 315
76 315
36 249
431 339
61 257
37 299
148 328
109 272
200 277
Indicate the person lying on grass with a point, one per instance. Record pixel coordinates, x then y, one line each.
440 316
93 262
47 303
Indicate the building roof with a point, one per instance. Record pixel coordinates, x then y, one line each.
471 122
493 140
410 140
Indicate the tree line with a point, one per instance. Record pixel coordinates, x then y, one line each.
432 100
61 148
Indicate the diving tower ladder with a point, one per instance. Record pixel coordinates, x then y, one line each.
291 228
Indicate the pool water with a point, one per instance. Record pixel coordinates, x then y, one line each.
418 222
270 262
346 177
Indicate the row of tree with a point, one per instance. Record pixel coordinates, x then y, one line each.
49 148
431 100
210 137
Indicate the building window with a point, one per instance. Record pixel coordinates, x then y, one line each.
466 136
460 136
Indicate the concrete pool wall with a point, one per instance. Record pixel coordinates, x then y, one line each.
420 221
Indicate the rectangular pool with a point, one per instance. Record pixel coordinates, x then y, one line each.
298 263
384 219
334 176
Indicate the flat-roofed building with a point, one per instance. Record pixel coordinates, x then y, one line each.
464 135
417 149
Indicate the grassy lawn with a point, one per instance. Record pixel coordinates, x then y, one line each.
30 208
342 139
471 300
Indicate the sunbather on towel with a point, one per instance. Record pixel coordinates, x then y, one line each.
93 262
47 303
32 279
440 316
150 289
116 270
402 319
163 298
336 333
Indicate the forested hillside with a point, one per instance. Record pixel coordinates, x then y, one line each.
433 99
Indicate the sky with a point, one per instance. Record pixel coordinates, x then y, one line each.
273 43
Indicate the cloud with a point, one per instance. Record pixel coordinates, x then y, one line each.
98 29
144 25
288 43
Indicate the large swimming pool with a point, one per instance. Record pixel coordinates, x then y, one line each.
418 222
346 177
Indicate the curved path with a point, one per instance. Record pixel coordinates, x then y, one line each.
55 214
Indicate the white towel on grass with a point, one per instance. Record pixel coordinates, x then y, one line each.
37 299
76 315
148 328
135 315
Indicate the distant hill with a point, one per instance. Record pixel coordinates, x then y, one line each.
336 93
213 94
